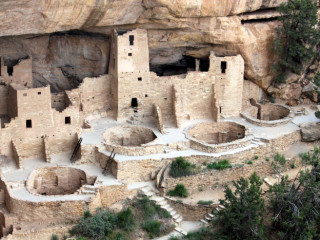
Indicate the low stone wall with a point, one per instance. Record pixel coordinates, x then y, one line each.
135 151
190 212
112 194
88 154
210 178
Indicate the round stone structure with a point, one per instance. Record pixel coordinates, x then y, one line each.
268 115
217 136
131 140
56 180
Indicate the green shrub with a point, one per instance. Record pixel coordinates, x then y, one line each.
317 114
87 214
125 220
200 189
202 202
96 227
179 191
54 237
180 167
249 162
163 213
256 157
293 165
116 236
82 238
152 227
222 164
179 201
267 159
174 238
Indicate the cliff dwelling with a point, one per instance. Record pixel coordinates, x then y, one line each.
97 144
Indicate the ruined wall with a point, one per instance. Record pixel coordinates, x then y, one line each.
251 90
112 194
229 74
3 100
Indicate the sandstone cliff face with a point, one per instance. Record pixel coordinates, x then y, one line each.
176 28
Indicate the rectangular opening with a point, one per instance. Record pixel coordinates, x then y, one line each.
131 40
39 93
10 70
67 120
28 123
139 78
130 54
134 102
146 95
223 66
25 94
165 98
220 109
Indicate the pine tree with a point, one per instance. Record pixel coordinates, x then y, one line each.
297 36
242 217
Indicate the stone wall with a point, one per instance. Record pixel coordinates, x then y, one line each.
158 118
112 194
190 212
3 100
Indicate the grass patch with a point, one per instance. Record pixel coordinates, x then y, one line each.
256 157
54 237
152 227
202 202
125 220
249 162
179 191
222 164
267 159
180 168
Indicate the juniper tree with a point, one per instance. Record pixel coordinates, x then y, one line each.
297 36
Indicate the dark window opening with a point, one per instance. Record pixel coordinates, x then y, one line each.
134 102
114 63
146 95
165 98
10 70
223 66
131 40
135 110
29 124
220 109
130 54
0 66
139 78
67 120
39 93
25 94
204 65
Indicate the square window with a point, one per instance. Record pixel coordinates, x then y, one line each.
130 54
28 123
146 95
39 93
139 78
67 120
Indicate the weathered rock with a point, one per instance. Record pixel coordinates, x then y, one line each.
310 132
310 91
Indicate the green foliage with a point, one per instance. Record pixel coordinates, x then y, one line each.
180 168
272 99
96 227
174 238
179 201
125 220
297 36
115 236
250 162
267 159
316 79
296 204
202 234
292 165
200 189
256 157
278 163
149 209
87 214
152 227
202 202
82 238
54 237
242 217
222 164
179 191
317 114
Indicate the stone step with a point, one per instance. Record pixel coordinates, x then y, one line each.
162 203
178 220
149 194
169 209
176 216
85 191
221 206
89 187
204 221
157 199
165 206
179 230
208 219
172 212
210 215
267 181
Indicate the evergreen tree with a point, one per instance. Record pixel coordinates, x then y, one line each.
242 217
297 36
296 205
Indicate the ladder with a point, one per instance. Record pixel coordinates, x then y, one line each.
108 163
72 159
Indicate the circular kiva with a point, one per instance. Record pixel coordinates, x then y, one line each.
56 180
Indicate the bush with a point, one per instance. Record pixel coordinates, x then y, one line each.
256 157
223 164
179 191
202 202
96 227
87 214
125 220
317 114
152 227
163 213
54 237
180 167
267 159
249 162
293 165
